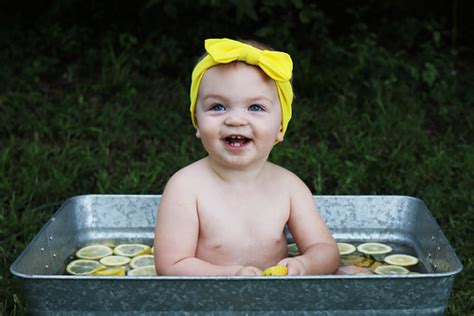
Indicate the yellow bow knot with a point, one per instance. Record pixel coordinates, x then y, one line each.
250 55
277 65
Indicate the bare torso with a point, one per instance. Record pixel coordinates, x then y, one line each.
241 224
211 223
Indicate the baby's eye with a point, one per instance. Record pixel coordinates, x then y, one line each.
217 108
255 108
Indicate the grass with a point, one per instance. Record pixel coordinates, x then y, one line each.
370 120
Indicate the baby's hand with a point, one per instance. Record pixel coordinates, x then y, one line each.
294 265
249 270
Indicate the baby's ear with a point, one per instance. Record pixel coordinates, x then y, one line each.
198 134
279 137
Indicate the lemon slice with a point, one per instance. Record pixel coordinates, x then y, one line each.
345 248
142 261
131 250
112 271
391 270
83 267
401 260
115 261
143 271
375 265
94 252
293 250
275 270
374 248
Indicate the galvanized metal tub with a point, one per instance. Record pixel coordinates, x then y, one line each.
86 219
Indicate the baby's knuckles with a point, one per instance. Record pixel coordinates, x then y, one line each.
249 271
295 266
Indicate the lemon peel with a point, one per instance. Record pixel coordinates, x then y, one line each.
275 271
391 269
94 252
115 261
374 250
345 248
112 271
401 260
142 261
84 267
143 271
131 250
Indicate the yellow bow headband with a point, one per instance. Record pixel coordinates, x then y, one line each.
277 65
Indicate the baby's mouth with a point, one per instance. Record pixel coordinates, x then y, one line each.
236 140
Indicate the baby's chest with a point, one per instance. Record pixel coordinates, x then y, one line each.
231 221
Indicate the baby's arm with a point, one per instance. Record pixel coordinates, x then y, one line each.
319 251
177 231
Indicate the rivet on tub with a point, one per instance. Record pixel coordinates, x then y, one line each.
46 266
42 249
50 237
54 255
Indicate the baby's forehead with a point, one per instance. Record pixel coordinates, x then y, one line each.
238 79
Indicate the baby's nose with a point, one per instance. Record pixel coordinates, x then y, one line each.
236 119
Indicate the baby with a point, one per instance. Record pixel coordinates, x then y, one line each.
226 213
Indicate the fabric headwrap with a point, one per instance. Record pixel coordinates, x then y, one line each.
277 65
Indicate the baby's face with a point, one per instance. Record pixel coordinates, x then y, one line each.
238 114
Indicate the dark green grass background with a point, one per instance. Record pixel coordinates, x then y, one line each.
94 99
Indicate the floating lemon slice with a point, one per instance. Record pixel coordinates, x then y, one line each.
375 265
391 270
94 252
345 248
374 248
293 250
401 260
115 261
83 267
112 271
142 261
143 271
131 250
275 270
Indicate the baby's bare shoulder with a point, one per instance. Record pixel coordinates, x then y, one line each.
187 177
278 173
283 177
